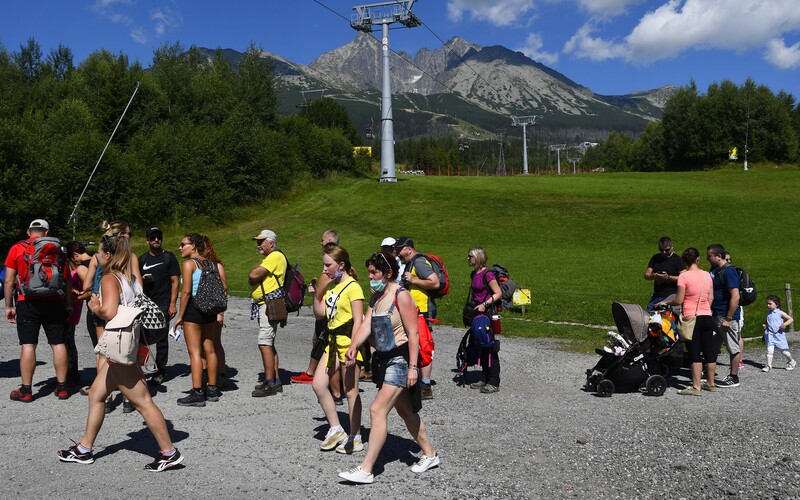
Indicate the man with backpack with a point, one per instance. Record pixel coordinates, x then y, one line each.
160 273
266 280
725 309
39 265
419 279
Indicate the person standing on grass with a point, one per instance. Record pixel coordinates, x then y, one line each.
391 323
343 307
725 309
161 280
421 281
775 333
663 270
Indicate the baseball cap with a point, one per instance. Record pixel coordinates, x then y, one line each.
153 231
39 224
404 241
266 234
388 242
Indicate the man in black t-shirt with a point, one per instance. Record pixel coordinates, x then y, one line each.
160 272
663 269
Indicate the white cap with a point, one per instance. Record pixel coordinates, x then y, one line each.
266 234
388 242
39 224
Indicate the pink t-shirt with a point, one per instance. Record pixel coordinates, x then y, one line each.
694 282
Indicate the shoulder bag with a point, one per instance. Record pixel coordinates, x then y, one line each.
119 342
686 325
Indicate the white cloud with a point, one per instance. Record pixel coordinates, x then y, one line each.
139 35
682 25
584 45
533 49
606 8
108 9
497 12
782 56
165 18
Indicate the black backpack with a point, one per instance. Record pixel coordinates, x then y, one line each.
747 287
507 285
210 297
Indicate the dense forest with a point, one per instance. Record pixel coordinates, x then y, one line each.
199 137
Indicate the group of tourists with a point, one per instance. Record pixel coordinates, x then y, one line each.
712 300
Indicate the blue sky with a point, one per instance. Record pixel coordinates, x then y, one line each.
610 46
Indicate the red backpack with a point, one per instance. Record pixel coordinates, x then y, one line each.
437 264
426 345
45 261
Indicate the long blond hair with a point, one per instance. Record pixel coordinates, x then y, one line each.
120 263
114 227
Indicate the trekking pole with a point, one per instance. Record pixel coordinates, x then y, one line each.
73 216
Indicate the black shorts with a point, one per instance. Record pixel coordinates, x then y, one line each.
194 316
35 314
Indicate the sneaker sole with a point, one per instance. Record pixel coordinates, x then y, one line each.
198 404
369 480
333 445
166 466
212 399
433 464
344 451
75 460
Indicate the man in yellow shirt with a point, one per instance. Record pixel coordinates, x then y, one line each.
265 278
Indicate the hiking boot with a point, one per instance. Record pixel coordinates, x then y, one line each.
73 455
19 395
352 444
427 391
766 369
213 393
278 386
194 398
109 405
332 440
489 389
357 476
425 463
264 390
730 381
127 406
367 377
61 391
477 385
303 378
690 391
163 462
791 364
157 379
709 388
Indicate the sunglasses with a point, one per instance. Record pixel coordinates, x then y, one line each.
183 244
155 238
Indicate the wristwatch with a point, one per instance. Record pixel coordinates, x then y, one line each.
728 318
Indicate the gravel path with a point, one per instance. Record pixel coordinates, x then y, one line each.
540 437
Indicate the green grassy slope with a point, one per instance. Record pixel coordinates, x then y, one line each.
578 242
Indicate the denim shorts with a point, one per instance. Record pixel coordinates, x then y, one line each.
396 372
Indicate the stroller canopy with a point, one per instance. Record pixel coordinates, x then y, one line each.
631 321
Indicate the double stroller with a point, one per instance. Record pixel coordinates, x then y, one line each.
640 356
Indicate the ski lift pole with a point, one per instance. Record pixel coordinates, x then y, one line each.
73 217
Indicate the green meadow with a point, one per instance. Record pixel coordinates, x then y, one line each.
578 242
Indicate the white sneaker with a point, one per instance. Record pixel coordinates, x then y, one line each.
791 364
766 369
425 463
332 440
350 446
357 476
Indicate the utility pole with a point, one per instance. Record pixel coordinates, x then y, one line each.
558 148
363 19
501 158
746 129
524 121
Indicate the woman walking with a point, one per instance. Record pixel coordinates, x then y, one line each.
391 321
343 307
119 286
485 292
198 327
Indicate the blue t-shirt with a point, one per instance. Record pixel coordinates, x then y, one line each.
722 293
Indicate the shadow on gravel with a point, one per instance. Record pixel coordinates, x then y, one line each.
10 368
396 449
142 441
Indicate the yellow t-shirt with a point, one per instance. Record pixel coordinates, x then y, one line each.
338 308
275 264
420 295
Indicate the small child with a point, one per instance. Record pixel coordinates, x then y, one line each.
774 334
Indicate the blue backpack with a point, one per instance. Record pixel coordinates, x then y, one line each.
482 332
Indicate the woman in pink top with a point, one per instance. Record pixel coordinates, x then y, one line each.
695 294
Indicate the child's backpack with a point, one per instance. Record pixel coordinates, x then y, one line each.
482 332
45 260
467 355
210 297
294 287
437 264
747 287
507 285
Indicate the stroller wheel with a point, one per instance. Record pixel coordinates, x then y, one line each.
656 385
605 388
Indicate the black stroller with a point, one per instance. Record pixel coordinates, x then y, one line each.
641 357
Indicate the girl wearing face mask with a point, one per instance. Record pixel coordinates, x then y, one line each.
391 321
343 307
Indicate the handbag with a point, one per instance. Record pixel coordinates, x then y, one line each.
119 342
152 316
686 325
275 304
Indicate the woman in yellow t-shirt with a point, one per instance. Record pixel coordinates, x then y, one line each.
343 307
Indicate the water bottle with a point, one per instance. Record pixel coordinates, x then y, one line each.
497 327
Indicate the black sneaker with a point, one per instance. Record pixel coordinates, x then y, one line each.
163 462
193 399
73 455
339 401
127 406
730 381
265 390
157 379
213 393
109 405
278 386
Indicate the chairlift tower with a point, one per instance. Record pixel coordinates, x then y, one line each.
363 19
524 121
558 148
501 158
307 100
